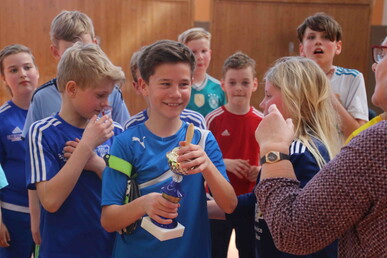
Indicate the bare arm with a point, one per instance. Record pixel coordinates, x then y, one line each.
5 238
34 206
214 211
348 122
116 217
54 192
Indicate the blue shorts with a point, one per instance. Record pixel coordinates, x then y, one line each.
19 228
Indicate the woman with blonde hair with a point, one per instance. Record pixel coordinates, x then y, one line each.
301 91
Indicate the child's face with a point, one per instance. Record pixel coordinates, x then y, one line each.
20 74
317 46
60 47
239 85
91 100
202 52
168 90
273 95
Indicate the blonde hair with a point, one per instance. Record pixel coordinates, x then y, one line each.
86 64
306 93
194 34
12 50
238 60
70 26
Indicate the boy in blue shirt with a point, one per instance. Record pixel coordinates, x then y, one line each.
206 95
69 186
67 28
166 69
186 115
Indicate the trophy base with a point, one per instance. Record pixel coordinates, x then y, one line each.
162 234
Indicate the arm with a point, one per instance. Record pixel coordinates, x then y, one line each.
34 206
329 198
348 122
54 192
193 156
115 217
95 163
5 238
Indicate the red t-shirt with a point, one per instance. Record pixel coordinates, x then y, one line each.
235 135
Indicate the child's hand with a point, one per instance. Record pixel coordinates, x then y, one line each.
253 173
157 207
238 167
4 236
98 131
193 158
93 164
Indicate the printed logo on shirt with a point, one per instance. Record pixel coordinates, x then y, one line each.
136 139
199 100
225 133
62 157
213 100
102 150
16 135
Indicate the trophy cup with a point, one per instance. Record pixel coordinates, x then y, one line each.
172 193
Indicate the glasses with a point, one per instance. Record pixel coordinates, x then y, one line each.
378 53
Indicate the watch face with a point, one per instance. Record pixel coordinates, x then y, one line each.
272 156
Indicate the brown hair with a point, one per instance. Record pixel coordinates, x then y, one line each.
323 23
238 60
12 50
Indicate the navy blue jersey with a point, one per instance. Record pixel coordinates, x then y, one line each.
12 154
75 229
305 167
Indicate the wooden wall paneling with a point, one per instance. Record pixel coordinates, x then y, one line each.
266 31
122 26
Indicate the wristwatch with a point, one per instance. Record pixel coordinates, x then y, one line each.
273 157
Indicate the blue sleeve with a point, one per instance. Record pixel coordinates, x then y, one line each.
41 163
3 179
114 182
245 210
213 152
33 115
305 166
120 112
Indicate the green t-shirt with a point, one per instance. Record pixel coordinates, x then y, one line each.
207 97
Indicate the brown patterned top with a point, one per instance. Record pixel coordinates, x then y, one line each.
347 199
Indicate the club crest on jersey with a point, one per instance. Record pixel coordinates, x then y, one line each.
102 150
16 135
199 100
213 100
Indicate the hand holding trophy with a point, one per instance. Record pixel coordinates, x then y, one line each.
173 193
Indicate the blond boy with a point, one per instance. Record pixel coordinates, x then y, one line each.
69 186
206 93
67 28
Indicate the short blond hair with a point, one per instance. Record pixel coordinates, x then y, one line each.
306 94
70 26
86 64
238 60
194 34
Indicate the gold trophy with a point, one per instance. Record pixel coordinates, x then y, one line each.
172 193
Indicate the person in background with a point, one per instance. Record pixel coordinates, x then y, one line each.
320 40
20 75
347 197
301 91
233 126
206 94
